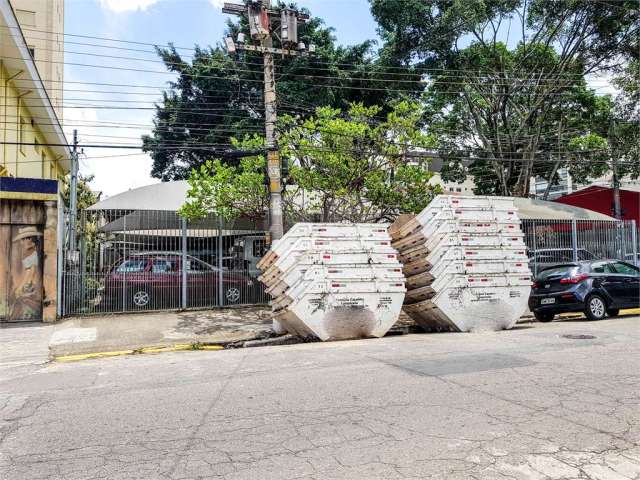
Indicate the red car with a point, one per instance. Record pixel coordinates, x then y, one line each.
154 280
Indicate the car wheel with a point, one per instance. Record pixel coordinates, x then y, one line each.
232 295
613 312
140 299
544 316
595 308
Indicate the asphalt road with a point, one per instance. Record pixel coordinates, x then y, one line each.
527 403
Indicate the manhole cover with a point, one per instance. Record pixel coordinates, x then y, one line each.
579 337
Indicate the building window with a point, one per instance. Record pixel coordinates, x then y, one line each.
458 189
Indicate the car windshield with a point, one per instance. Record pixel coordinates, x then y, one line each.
132 266
560 270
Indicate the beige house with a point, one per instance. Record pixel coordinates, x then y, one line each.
34 156
28 119
42 24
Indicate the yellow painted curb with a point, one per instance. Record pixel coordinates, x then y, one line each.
166 348
87 356
631 311
180 347
210 347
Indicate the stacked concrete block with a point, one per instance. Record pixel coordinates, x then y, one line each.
334 281
465 262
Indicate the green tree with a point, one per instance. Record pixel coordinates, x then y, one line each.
505 114
217 96
229 191
343 166
85 196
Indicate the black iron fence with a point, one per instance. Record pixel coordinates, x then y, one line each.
556 241
131 261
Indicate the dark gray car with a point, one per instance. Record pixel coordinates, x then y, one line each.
596 288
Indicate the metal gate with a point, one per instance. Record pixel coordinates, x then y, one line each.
135 261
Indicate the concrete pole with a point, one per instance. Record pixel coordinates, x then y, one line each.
617 210
276 223
73 194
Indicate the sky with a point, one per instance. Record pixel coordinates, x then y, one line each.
89 69
185 23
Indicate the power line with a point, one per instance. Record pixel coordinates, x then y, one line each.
493 81
168 46
93 37
478 74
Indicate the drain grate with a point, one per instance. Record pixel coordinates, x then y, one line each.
579 337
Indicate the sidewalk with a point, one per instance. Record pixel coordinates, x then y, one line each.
24 348
134 331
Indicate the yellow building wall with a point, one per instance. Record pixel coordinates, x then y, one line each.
42 23
19 125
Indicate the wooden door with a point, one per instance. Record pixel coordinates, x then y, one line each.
21 263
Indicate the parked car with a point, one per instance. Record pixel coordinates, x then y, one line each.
597 288
154 280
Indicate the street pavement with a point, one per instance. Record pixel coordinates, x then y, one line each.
528 403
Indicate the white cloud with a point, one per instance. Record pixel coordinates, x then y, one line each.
120 6
217 3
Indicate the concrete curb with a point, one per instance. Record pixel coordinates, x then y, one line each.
179 347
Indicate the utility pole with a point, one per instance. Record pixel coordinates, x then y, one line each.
73 194
261 17
617 210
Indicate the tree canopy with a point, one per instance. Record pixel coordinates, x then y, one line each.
507 91
85 196
343 166
217 96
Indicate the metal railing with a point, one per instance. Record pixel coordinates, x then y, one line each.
556 241
134 261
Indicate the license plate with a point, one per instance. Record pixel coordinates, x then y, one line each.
547 301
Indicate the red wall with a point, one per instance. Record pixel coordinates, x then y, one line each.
600 199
